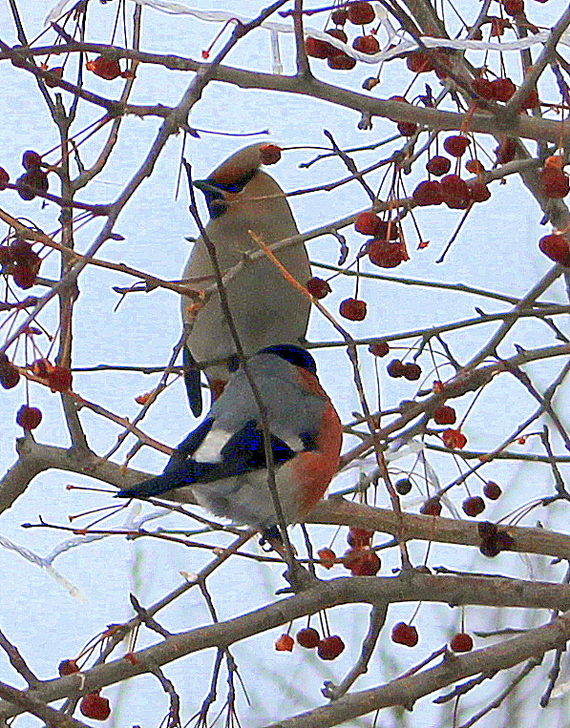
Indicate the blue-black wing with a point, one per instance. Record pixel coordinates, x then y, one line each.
243 452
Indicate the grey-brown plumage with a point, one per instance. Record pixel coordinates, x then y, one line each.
266 309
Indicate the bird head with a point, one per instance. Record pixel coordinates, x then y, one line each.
294 355
228 181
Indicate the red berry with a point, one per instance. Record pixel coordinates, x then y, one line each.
419 62
67 667
316 48
270 153
362 562
473 506
507 150
428 193
513 7
405 634
330 647
456 145
24 190
438 165
107 68
461 642
353 309
308 638
483 88
340 16
379 349
555 246
403 486
503 89
478 191
432 507
492 490
360 13
32 181
444 415
386 254
554 182
341 62
31 159
366 44
54 75
367 223
359 537
9 375
454 439
338 34
531 101
41 367
395 368
21 251
318 287
369 83
474 166
59 379
412 371
327 557
407 128
284 643
28 417
95 706
455 192
24 277
4 178
387 230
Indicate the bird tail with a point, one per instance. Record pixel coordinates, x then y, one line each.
154 486
192 382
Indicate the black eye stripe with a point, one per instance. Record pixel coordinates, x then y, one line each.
236 186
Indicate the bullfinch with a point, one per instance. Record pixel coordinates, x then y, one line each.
266 309
222 464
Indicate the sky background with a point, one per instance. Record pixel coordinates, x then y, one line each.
497 251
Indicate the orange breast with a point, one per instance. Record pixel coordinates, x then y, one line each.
314 470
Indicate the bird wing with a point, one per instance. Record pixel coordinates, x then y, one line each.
230 442
243 452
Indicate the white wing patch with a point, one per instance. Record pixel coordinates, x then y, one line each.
210 451
295 443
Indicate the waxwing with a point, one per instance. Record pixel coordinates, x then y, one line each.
266 309
222 463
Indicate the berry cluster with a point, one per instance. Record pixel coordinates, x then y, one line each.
328 648
493 539
19 260
34 179
355 13
410 371
360 560
386 248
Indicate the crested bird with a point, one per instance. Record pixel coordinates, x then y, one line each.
222 464
266 309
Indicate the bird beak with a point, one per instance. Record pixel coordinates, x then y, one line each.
207 187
